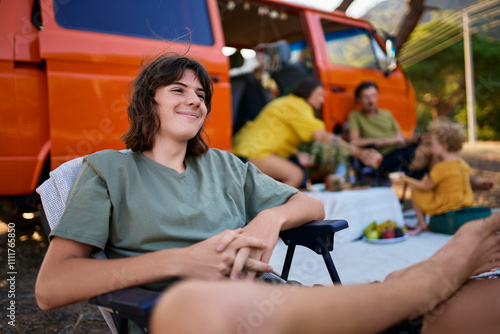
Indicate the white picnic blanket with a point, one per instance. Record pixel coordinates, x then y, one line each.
360 208
360 261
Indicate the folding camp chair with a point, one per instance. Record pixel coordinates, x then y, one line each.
136 304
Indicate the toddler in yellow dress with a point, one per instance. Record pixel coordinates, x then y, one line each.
447 187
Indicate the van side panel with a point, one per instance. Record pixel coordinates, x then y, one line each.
24 109
89 75
72 77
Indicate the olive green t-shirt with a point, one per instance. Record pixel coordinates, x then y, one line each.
383 125
127 204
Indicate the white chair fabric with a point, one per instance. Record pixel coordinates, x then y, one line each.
54 193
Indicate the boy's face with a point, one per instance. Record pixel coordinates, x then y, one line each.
438 149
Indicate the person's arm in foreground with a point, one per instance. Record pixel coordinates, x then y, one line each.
298 210
67 274
230 307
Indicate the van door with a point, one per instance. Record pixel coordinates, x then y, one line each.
348 52
24 131
94 48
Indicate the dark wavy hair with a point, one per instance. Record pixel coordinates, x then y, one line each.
364 85
144 121
305 87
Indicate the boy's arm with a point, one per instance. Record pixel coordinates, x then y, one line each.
426 184
479 184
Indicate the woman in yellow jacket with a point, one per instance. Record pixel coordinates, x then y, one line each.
270 141
272 138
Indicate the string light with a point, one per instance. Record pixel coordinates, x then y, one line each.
230 5
263 11
28 215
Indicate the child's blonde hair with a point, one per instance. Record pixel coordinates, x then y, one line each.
448 133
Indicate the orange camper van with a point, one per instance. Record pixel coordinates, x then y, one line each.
65 67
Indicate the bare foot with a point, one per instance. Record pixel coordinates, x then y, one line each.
479 241
423 226
413 230
473 249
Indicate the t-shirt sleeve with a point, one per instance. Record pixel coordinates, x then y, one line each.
263 192
394 123
353 121
86 216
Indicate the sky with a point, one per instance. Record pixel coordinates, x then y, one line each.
358 7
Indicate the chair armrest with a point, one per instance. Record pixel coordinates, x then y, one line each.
316 235
133 301
135 304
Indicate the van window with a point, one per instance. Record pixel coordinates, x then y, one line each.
156 19
380 54
297 50
352 46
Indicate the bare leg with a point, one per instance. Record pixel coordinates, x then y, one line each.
422 223
280 169
216 308
234 307
474 309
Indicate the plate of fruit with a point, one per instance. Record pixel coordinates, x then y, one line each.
386 232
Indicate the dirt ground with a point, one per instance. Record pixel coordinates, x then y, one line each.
30 247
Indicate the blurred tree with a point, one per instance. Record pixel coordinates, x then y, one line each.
344 5
439 82
413 13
